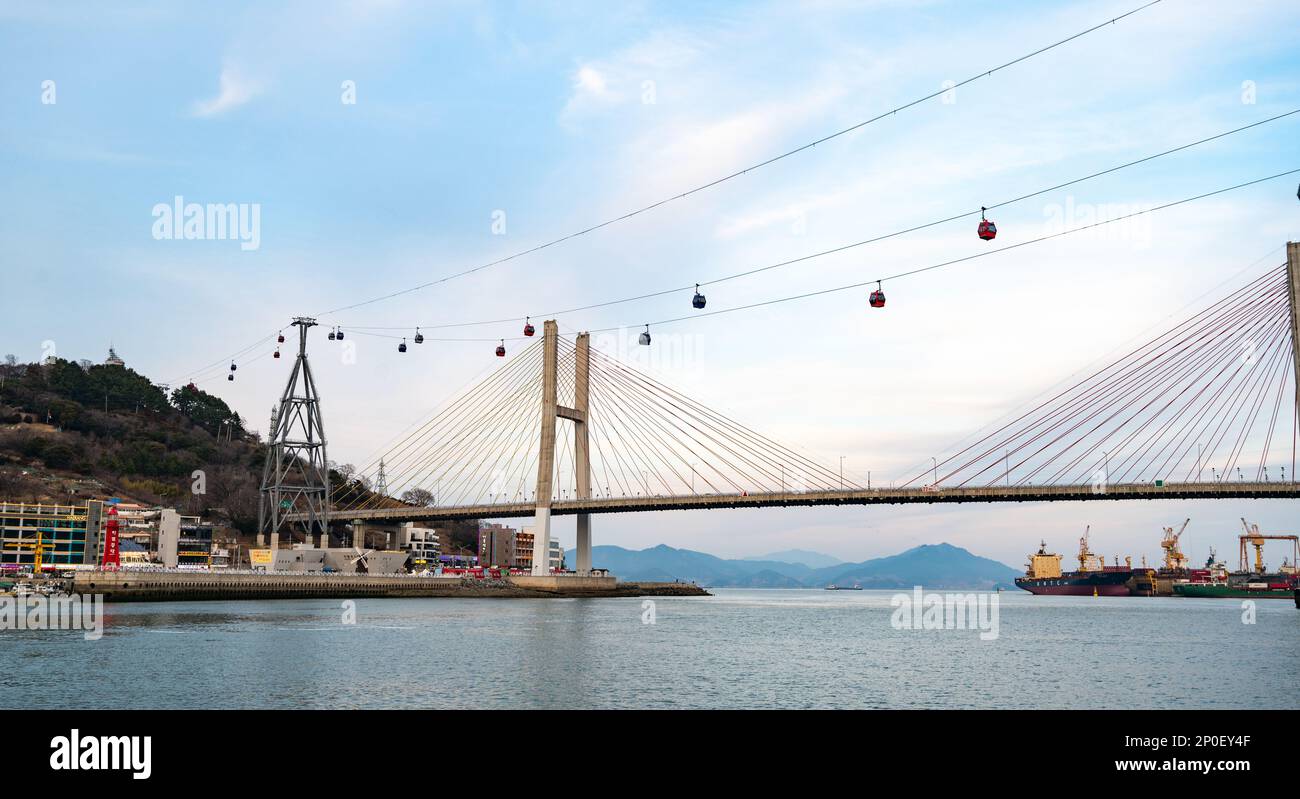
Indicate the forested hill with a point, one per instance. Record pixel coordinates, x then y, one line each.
61 420
69 431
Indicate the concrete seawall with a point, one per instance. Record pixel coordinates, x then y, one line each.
129 586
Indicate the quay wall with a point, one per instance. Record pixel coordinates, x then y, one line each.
141 586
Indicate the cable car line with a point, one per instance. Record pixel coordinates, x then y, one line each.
650 295
963 259
792 261
863 242
717 181
645 339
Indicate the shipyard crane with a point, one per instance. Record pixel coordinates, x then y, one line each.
1256 539
1087 560
1174 558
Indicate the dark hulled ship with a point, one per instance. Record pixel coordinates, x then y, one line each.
1043 575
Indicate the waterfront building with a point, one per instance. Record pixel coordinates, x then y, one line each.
524 550
138 523
132 554
422 545
184 542
556 560
496 545
68 535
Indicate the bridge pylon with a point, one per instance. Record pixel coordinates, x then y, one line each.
552 410
1293 286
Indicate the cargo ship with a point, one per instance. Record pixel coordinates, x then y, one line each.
1247 583
1043 574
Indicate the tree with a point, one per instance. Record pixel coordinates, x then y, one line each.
59 455
420 497
205 410
11 366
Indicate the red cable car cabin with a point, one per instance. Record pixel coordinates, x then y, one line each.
501 350
528 327
877 298
987 230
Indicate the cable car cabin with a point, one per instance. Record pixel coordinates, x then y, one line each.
644 338
332 336
230 377
501 350
280 339
698 300
877 299
987 230
528 327
277 354
233 367
419 337
340 335
402 347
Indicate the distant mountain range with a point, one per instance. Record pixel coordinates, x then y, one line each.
813 560
931 566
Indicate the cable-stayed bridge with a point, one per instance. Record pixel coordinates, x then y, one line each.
1208 409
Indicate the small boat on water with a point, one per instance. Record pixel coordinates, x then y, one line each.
834 587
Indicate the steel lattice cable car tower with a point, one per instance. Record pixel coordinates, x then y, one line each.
296 476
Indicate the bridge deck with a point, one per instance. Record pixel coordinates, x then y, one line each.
874 496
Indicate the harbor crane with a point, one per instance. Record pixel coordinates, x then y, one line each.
1174 558
1253 537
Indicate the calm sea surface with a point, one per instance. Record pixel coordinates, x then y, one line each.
739 649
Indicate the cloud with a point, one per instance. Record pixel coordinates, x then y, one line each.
236 89
628 74
590 81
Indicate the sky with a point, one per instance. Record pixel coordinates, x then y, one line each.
388 144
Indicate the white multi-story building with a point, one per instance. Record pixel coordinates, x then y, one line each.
556 560
422 544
